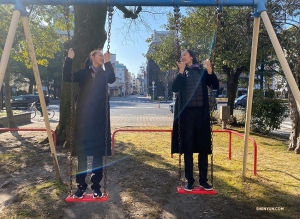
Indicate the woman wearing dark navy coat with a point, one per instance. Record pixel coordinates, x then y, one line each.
92 108
192 107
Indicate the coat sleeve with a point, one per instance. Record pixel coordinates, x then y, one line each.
67 71
109 70
178 83
212 80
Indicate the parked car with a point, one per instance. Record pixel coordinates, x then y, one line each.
240 102
215 104
26 100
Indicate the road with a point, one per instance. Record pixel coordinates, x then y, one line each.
137 110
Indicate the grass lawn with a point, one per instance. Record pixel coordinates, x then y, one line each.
146 176
277 183
3 112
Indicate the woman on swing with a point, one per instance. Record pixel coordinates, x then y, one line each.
92 108
193 109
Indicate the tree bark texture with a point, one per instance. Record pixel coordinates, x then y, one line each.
232 85
9 112
294 140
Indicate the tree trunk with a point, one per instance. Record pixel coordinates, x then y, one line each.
63 127
89 34
294 116
232 85
296 70
31 83
9 112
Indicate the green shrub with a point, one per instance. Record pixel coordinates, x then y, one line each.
267 114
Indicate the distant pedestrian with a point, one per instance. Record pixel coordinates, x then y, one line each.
92 107
192 106
38 106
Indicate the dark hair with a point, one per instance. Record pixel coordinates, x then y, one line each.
87 63
193 55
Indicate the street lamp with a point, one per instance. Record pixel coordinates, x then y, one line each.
125 88
153 83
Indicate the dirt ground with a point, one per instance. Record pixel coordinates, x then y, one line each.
136 190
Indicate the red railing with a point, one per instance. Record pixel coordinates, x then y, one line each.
29 129
220 131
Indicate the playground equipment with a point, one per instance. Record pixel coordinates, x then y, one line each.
259 12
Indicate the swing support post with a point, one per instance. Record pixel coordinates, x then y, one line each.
250 90
21 10
40 92
281 57
8 44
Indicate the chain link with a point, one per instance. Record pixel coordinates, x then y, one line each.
66 10
218 12
177 52
110 10
177 28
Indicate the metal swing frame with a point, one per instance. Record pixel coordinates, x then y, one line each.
259 12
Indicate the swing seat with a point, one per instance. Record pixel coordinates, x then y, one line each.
87 198
196 191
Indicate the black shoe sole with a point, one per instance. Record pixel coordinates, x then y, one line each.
188 190
98 196
206 189
74 196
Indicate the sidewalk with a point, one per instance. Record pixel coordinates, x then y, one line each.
140 121
117 121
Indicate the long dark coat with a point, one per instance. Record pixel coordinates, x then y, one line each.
91 107
202 141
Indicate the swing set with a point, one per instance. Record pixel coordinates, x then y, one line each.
259 12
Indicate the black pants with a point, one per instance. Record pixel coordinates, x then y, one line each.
193 126
97 171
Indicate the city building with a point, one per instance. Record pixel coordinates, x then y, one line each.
154 76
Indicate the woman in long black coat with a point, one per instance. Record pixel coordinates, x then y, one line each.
92 119
192 110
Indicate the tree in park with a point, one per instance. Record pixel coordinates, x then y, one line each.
162 62
232 49
89 34
288 23
45 40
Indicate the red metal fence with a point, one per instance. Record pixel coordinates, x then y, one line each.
220 131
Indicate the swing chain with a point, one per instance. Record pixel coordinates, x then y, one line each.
177 28
177 52
66 10
110 10
218 12
211 137
110 14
